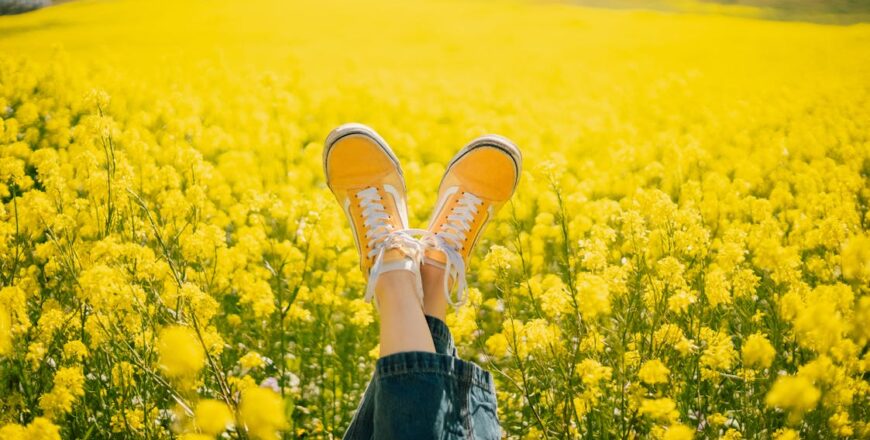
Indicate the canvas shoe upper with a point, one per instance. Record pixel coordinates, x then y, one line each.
364 174
478 181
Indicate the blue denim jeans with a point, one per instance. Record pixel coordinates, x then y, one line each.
420 395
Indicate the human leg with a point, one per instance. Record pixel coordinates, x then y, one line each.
434 299
420 388
403 326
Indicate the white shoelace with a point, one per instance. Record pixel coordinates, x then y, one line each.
375 218
382 236
451 239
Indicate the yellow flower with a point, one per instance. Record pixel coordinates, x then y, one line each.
35 353
181 353
195 436
593 296
551 292
75 350
262 412
679 432
212 416
819 326
5 331
497 345
591 372
50 321
731 434
581 406
538 336
252 360
716 287
662 410
122 375
463 323
42 429
719 352
653 372
594 342
501 258
375 352
39 429
680 301
127 419
242 383
670 270
839 423
717 419
68 386
234 320
670 335
856 258
786 434
757 351
258 294
795 394
13 431
744 283
361 312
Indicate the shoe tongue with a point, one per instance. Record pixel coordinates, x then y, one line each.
393 255
436 255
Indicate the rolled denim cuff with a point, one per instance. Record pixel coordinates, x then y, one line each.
415 362
441 336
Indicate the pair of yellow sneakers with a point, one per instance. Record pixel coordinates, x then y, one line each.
364 174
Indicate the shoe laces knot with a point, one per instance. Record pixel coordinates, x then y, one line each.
383 236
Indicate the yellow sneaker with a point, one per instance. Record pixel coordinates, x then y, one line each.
478 181
367 180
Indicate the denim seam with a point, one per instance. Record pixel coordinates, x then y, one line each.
355 423
464 410
480 383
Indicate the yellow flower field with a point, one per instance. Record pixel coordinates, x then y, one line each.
687 255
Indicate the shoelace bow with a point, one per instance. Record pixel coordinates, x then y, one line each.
451 239
382 236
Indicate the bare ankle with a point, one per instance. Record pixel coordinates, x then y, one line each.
434 299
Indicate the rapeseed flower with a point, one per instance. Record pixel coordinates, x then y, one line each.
181 353
757 351
795 394
252 360
212 416
678 432
68 386
653 372
5 331
661 410
39 429
75 350
262 412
